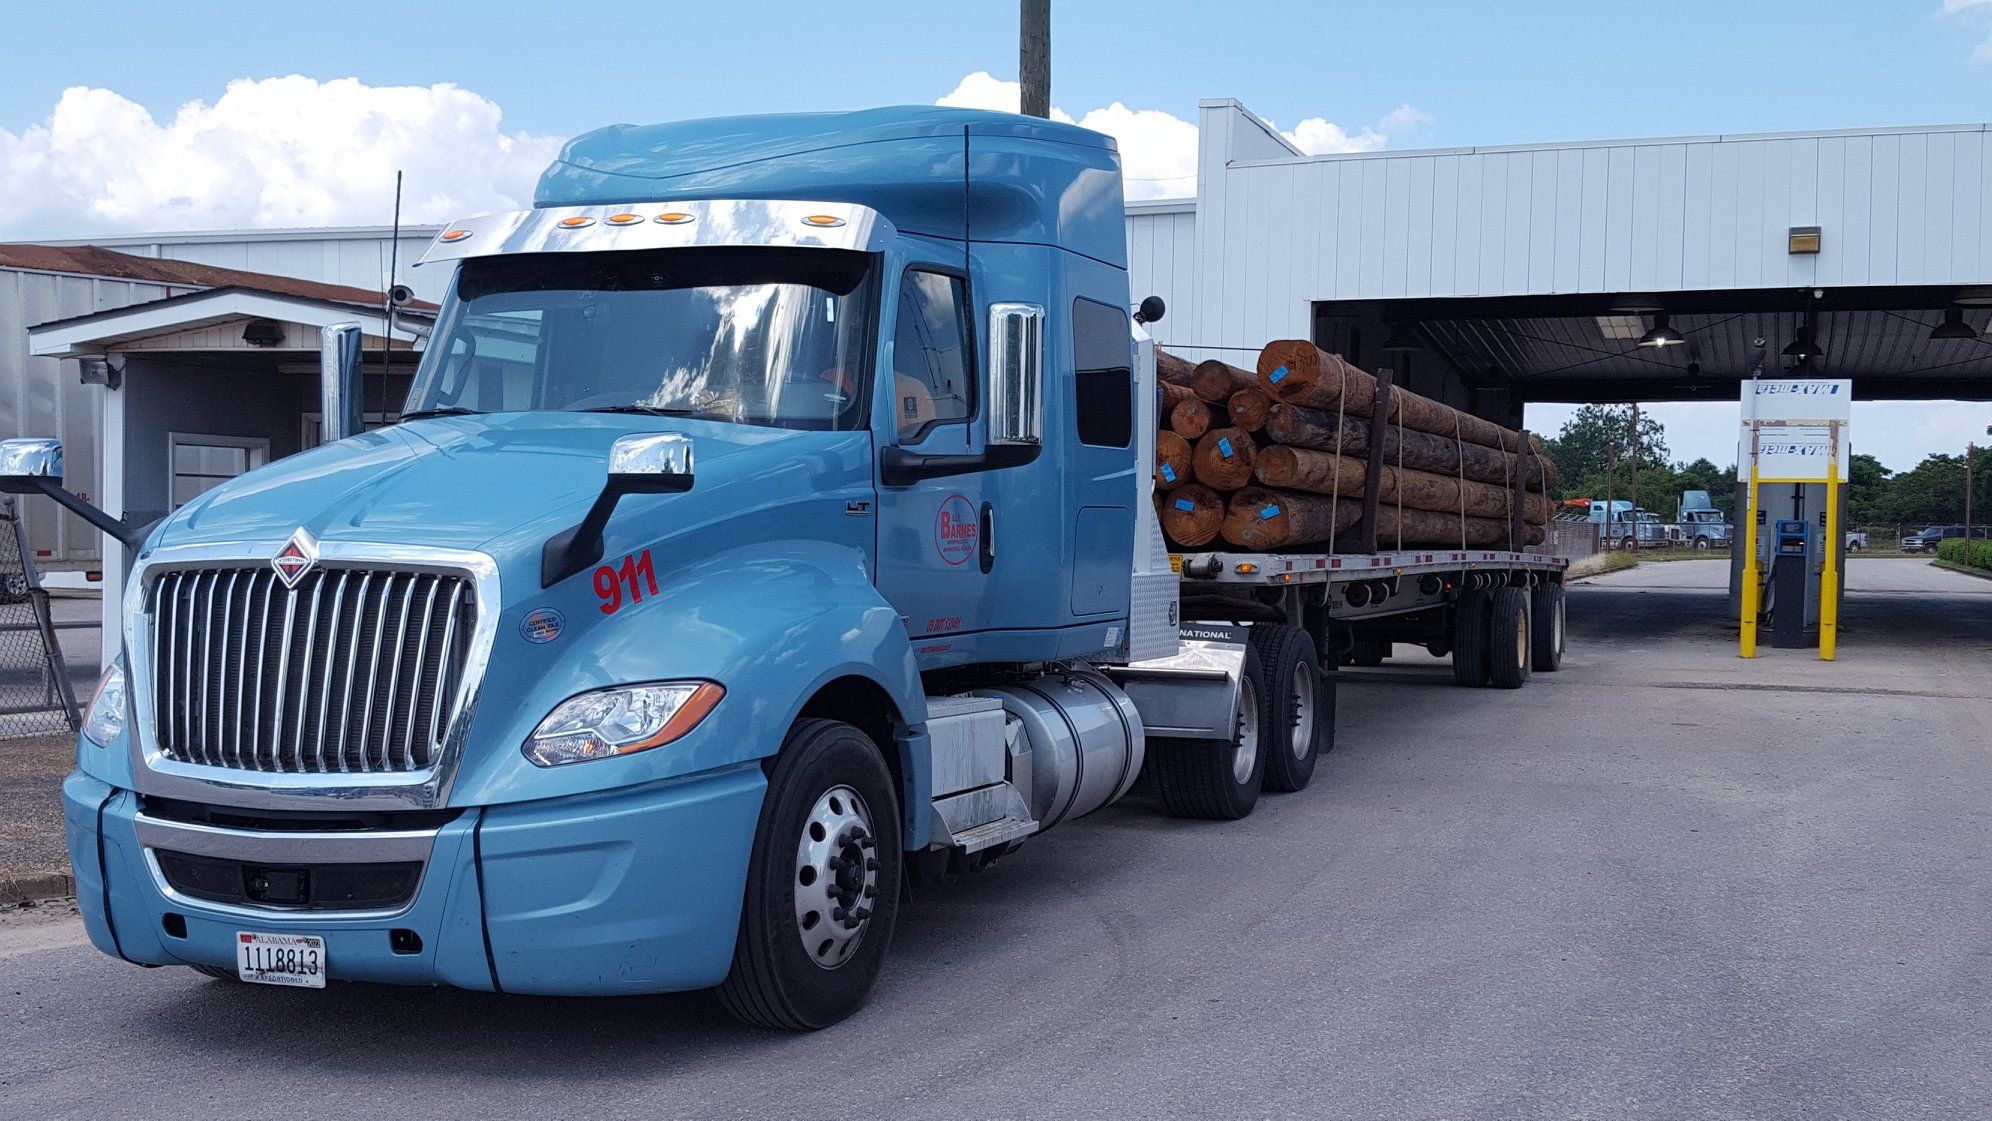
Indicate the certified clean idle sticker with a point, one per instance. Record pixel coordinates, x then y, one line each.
542 624
956 529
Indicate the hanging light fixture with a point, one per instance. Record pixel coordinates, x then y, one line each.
1662 334
1802 346
1953 327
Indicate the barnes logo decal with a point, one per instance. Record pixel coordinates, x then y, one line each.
956 530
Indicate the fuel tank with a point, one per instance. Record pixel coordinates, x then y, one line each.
1084 741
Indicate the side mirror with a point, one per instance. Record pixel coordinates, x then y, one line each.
1016 374
33 465
645 463
339 381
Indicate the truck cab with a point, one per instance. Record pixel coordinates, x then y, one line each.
769 519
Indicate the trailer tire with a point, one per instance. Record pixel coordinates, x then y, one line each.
1509 646
1369 652
1546 637
809 819
1209 779
1469 642
1292 712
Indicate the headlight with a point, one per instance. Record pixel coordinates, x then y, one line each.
104 720
620 721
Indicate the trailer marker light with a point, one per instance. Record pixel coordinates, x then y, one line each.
624 219
576 222
454 235
1247 568
674 218
825 221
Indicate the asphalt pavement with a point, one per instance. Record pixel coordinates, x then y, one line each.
1664 883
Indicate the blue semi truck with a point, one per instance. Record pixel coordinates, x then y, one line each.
769 525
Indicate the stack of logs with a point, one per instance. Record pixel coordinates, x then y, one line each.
1310 453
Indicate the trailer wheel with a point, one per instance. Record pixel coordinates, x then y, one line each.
1209 778
822 883
1369 652
1469 640
1546 628
1297 708
1508 644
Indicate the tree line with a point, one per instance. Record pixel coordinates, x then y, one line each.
1592 448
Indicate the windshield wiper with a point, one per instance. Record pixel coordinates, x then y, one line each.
644 410
441 410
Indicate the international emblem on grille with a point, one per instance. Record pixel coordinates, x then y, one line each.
296 557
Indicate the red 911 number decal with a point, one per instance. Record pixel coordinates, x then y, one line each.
635 573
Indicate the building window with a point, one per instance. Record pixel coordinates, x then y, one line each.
933 374
198 463
311 430
1103 374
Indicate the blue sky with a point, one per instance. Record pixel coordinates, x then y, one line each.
118 116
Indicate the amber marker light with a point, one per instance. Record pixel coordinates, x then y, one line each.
674 218
576 222
624 219
823 221
454 235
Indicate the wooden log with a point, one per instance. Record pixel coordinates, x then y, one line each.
1262 520
1222 459
1174 370
1191 515
1172 461
1173 395
1217 381
1299 373
1248 409
1313 428
1194 417
1318 472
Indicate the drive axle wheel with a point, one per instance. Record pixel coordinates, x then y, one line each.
1546 628
1211 778
1299 706
1469 639
822 883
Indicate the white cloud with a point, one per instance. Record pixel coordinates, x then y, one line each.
288 151
1159 150
1983 52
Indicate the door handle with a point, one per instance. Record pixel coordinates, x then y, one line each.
988 537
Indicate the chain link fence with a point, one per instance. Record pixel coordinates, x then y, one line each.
35 694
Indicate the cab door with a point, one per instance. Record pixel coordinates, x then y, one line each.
933 561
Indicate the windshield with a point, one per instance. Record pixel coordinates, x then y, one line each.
754 336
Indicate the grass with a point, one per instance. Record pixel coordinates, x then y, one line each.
1597 564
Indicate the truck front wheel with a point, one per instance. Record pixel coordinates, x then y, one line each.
822 883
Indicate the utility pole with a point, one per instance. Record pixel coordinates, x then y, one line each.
1970 452
1611 468
1635 476
1034 57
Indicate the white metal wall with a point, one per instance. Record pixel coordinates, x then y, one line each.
1897 207
355 256
1161 255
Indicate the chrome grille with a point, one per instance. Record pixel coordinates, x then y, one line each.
354 670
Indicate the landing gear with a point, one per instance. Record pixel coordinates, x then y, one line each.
822 884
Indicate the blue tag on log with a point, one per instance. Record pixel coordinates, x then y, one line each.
1186 506
1268 513
1224 445
1168 473
1277 376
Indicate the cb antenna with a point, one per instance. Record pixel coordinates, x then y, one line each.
387 306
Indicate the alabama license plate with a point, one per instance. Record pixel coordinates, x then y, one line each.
297 960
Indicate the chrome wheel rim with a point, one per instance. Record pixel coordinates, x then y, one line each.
1245 751
1303 710
1522 639
836 877
1558 613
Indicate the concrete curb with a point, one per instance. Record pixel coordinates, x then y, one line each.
34 887
1960 569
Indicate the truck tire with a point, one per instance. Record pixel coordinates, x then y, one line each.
1546 639
1209 778
1369 652
822 883
1509 648
1704 544
1469 644
1296 721
216 972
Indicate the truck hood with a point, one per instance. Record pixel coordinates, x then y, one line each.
500 483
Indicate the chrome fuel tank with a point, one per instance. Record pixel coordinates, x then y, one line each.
1081 741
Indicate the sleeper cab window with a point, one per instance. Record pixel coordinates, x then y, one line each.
1103 374
932 368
